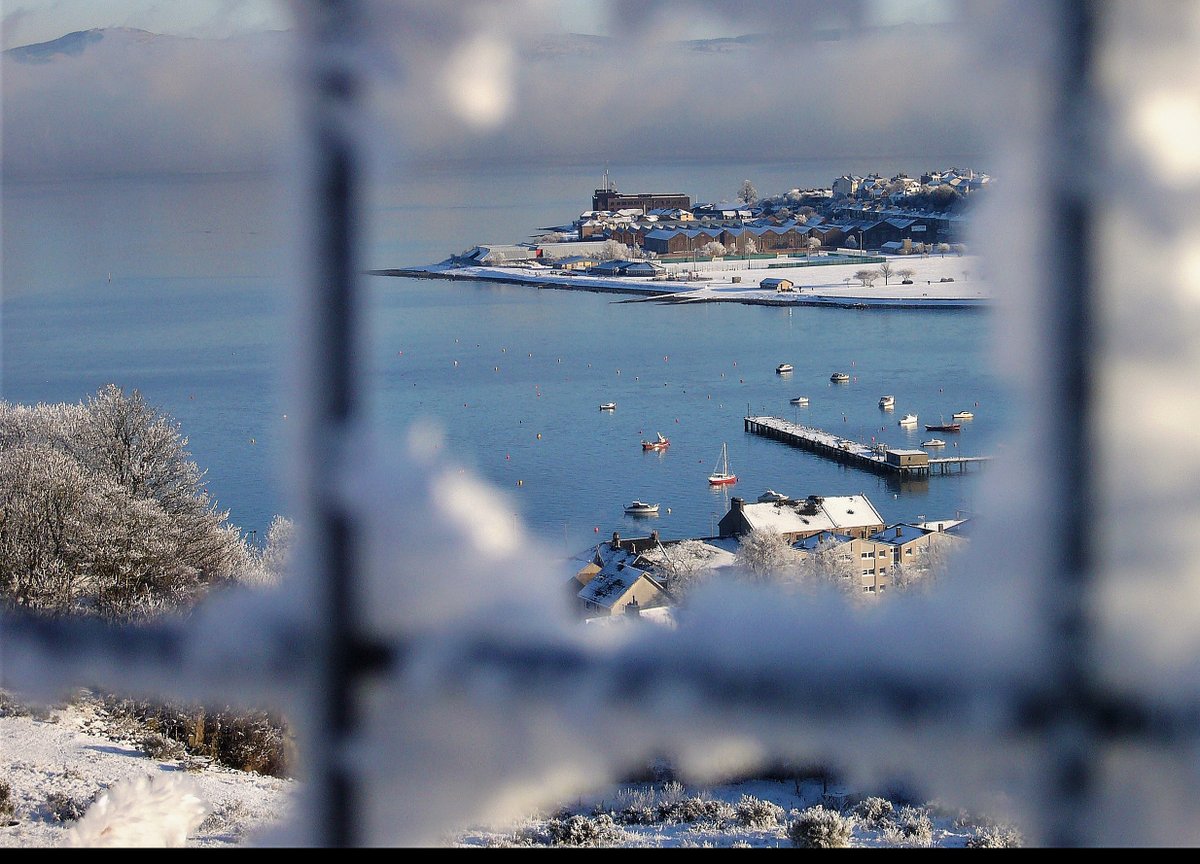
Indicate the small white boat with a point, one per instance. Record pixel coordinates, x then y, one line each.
933 442
887 401
839 377
800 400
771 496
641 508
963 415
907 420
609 406
783 368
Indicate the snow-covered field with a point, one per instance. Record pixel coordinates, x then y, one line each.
738 281
56 762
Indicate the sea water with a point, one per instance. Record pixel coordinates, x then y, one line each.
179 287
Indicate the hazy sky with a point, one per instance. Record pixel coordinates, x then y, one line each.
483 81
29 21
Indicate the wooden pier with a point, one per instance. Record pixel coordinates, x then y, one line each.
904 463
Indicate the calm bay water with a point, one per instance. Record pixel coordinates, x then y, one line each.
195 317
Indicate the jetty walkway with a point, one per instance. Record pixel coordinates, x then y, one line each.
879 458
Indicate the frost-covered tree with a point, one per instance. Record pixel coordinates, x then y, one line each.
943 248
866 277
685 565
750 247
613 250
713 249
905 273
103 511
747 192
929 564
765 555
269 565
831 563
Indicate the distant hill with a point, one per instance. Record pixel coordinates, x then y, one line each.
73 44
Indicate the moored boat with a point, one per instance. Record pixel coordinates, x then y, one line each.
887 402
799 400
933 442
963 415
641 508
608 406
783 368
659 443
771 496
721 475
907 420
943 427
839 377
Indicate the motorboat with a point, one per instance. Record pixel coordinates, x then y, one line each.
800 400
721 475
659 443
933 442
641 508
943 427
609 406
783 368
907 420
839 377
886 402
771 497
963 415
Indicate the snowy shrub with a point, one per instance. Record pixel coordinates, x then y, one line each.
995 837
755 813
7 805
910 827
9 707
159 747
820 828
230 818
584 831
873 812
637 806
256 741
672 791
697 809
60 807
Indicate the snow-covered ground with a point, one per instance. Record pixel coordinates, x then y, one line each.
55 762
738 281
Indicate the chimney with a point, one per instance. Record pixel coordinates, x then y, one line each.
616 541
633 609
736 503
898 531
940 525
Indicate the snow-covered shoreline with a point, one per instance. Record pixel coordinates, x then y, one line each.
734 281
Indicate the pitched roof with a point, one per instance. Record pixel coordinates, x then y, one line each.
836 513
615 579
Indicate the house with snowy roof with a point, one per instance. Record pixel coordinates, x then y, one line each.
853 515
615 579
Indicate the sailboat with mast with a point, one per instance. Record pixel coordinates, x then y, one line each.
721 475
